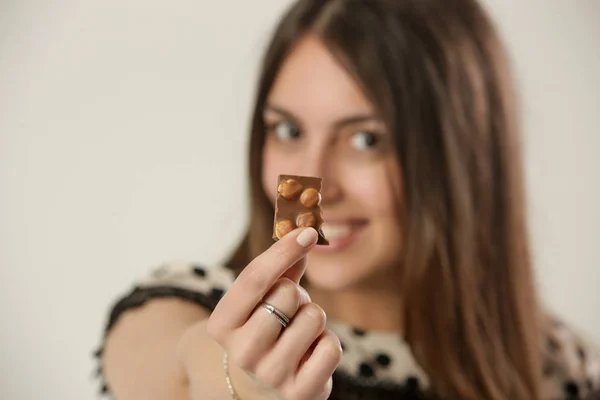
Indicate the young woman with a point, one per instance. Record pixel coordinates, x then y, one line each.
405 108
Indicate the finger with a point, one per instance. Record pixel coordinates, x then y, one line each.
283 360
314 375
256 338
296 271
287 296
256 279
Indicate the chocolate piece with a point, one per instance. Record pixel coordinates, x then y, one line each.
298 204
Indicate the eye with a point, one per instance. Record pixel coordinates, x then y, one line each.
285 131
364 140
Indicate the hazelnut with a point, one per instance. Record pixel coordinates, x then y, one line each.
283 228
305 220
290 189
310 198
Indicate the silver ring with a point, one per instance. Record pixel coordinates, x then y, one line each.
279 316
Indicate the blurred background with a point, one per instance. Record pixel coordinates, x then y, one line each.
122 145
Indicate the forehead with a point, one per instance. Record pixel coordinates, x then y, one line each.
312 83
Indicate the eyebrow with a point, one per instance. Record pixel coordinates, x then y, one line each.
349 120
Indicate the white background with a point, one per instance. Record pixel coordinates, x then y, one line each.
123 121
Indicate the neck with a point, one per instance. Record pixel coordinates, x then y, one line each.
371 306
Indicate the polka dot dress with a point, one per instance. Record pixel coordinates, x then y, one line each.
375 365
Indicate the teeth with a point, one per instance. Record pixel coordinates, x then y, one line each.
332 232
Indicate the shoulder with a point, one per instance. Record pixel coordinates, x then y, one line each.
571 363
201 284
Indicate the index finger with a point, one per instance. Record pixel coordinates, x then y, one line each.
258 277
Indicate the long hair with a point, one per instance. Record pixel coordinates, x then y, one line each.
437 73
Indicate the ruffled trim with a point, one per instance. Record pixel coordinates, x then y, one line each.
348 387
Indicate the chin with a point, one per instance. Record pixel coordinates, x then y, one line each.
334 275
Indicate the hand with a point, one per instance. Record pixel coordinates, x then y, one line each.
298 361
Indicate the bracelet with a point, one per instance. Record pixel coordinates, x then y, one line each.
234 395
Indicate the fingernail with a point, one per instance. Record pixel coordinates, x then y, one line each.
307 237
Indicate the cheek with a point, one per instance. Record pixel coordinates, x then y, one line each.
378 189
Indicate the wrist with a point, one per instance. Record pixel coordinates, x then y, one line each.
243 387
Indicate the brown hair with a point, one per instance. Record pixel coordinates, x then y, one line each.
437 73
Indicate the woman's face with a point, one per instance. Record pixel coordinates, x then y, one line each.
319 123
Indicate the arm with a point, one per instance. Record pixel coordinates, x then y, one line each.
161 351
140 360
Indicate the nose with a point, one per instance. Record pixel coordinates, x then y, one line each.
322 162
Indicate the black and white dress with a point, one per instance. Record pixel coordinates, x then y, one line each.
375 365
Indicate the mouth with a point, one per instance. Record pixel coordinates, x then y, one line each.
340 233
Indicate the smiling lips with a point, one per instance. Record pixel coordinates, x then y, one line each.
336 231
341 233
